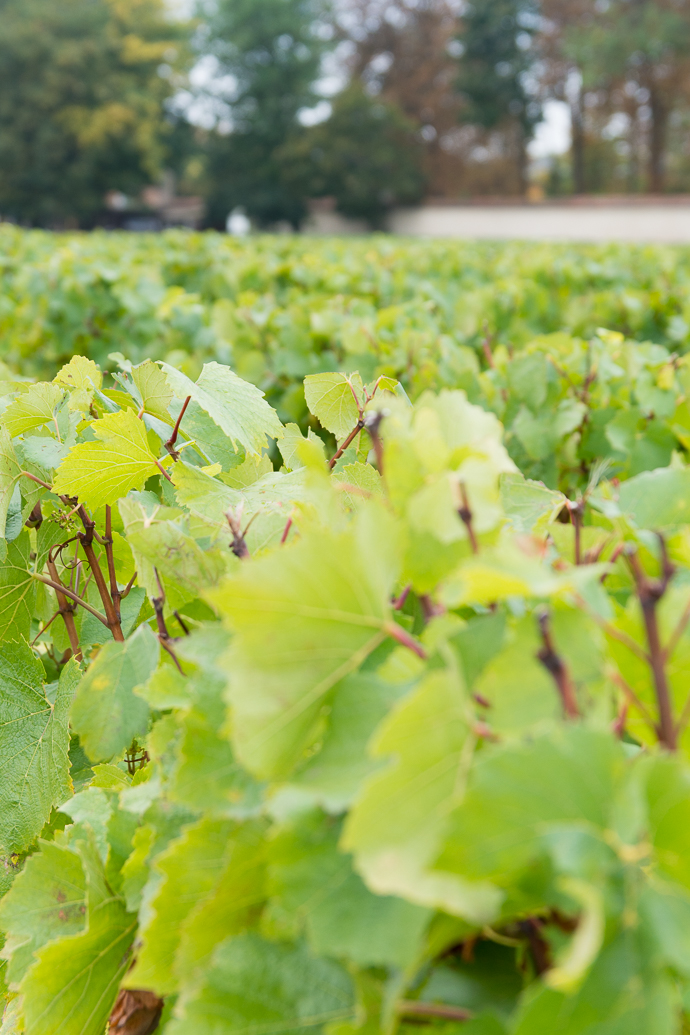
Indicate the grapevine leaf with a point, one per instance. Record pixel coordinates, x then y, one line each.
329 397
237 407
314 882
290 443
496 831
657 499
10 473
154 390
191 867
360 702
106 713
254 985
303 619
32 409
396 825
529 505
34 744
80 372
74 983
100 472
46 901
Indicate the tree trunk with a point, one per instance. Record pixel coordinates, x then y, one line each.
657 142
577 147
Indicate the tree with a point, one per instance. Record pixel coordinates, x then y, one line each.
401 49
367 155
272 51
82 91
496 58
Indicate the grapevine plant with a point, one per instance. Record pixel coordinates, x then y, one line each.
354 732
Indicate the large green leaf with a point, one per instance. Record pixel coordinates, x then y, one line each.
10 472
330 397
71 988
303 619
17 590
191 868
657 499
396 825
106 713
120 459
34 742
254 985
236 406
32 409
46 901
314 885
513 798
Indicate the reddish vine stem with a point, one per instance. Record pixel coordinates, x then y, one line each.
346 442
416 1008
465 515
557 668
66 609
396 632
108 545
170 444
164 637
286 531
59 588
649 593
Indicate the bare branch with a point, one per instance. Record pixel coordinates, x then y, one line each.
556 666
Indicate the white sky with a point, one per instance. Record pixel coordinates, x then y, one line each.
552 136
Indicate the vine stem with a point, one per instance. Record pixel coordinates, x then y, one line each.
556 666
170 444
649 593
415 1008
346 442
59 588
108 545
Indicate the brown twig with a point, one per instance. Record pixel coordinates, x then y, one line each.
86 540
465 515
416 1008
576 511
164 637
286 531
396 632
59 588
556 667
183 625
399 602
649 593
65 609
163 471
170 444
346 442
110 558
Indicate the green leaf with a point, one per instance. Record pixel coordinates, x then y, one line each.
513 797
330 398
236 406
360 702
80 372
529 505
314 883
396 826
46 901
73 985
657 499
17 590
154 390
100 472
290 443
254 985
622 994
32 409
10 473
34 744
106 713
191 868
303 619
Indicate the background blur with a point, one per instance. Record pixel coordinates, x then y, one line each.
144 113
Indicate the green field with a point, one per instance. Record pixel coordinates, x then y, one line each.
345 651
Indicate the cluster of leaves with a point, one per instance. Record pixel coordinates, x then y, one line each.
366 739
279 308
